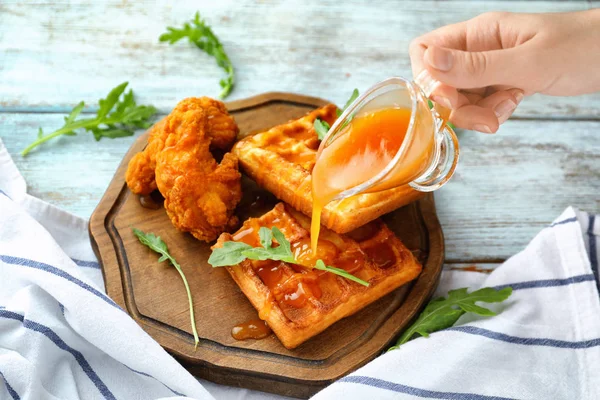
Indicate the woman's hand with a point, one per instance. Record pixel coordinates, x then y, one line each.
488 64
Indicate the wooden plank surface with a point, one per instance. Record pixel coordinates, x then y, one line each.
56 53
507 187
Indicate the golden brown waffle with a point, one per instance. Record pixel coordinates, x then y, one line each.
282 158
297 301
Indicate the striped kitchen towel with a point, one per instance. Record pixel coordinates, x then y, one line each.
544 344
61 337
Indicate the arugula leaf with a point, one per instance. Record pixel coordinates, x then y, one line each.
266 237
322 127
283 252
125 118
442 313
156 244
69 119
201 35
229 254
283 243
353 97
338 271
113 96
233 253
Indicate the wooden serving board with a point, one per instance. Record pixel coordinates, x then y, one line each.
154 296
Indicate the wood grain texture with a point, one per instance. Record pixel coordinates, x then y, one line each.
55 54
507 187
153 295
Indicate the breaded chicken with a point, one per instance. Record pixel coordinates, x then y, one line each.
200 194
140 171
221 128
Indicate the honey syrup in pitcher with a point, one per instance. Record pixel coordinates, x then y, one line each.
364 148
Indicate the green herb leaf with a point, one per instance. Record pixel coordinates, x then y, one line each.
266 237
338 271
201 35
74 114
442 313
282 241
353 97
114 119
322 127
283 252
109 102
233 253
156 244
229 254
259 253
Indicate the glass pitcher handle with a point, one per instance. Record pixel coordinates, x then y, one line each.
447 148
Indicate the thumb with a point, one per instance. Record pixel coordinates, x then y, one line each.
476 69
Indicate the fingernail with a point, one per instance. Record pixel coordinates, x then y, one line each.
505 108
439 58
519 96
482 128
442 101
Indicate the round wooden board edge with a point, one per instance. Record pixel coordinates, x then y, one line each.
299 387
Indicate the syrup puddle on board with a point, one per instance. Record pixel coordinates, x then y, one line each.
253 329
152 201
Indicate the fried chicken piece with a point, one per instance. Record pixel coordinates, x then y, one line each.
200 194
221 128
140 171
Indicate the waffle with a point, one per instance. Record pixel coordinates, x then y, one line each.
297 301
282 158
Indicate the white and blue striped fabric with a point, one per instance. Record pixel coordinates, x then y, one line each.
61 337
544 344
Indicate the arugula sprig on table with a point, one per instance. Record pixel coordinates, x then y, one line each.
442 313
233 253
201 35
156 244
322 127
115 118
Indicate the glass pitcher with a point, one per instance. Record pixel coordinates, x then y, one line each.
430 146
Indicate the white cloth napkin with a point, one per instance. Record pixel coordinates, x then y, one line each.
544 344
61 337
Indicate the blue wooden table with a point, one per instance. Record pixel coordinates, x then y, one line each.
52 55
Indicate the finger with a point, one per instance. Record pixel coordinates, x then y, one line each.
476 118
442 94
453 99
472 98
503 103
452 36
479 91
447 96
469 70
